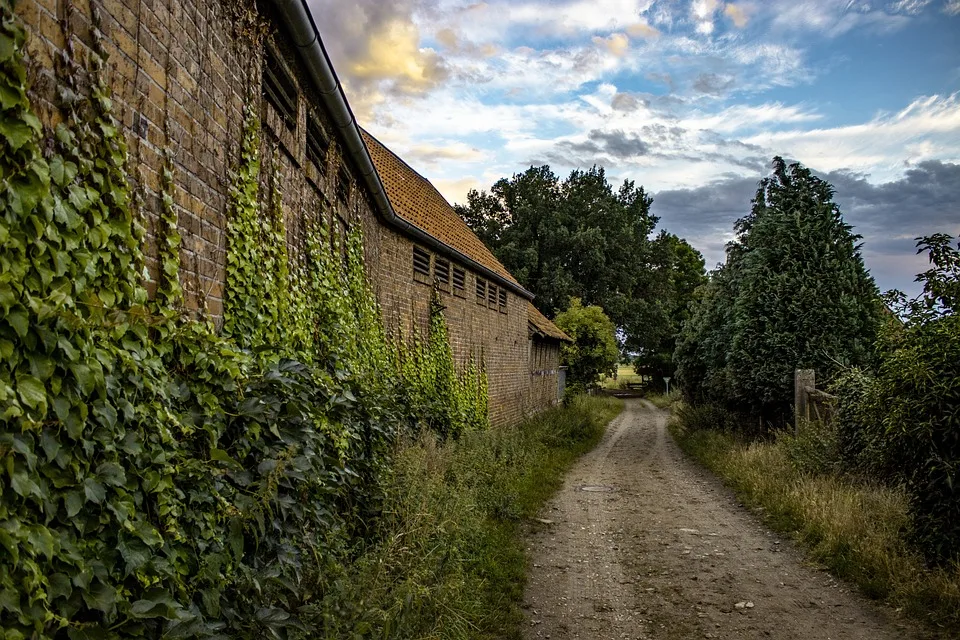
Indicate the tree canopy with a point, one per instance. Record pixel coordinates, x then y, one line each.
794 293
579 237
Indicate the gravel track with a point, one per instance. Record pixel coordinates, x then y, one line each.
642 543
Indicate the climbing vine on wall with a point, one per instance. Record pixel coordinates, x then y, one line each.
447 400
158 479
169 290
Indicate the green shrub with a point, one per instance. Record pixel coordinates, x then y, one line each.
860 438
702 417
814 449
903 422
918 388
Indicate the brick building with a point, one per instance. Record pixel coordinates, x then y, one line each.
182 72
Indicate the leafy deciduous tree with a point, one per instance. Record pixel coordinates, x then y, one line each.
594 351
580 237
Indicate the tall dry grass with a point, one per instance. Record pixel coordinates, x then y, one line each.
855 529
449 562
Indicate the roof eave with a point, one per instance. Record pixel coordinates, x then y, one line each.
306 37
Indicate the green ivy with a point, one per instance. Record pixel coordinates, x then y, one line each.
243 306
169 291
159 479
446 400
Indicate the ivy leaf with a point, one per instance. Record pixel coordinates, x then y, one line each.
9 96
31 391
42 540
94 491
112 474
135 553
50 445
19 321
146 532
11 545
62 172
222 456
60 586
73 502
21 482
101 597
10 601
107 414
157 604
16 131
7 47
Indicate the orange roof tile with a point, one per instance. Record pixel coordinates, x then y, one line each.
544 325
418 202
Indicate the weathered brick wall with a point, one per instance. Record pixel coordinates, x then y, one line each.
544 368
474 328
181 72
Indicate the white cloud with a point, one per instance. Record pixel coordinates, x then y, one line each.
930 125
910 7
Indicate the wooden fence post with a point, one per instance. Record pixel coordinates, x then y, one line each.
802 379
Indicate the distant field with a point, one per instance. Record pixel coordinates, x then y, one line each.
624 374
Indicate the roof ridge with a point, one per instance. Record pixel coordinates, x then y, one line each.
417 200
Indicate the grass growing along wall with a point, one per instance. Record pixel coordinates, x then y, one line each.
856 530
450 562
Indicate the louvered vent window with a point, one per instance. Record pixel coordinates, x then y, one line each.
421 265
481 291
279 90
492 296
441 273
459 281
317 143
343 187
502 299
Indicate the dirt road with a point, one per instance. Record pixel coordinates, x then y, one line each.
641 543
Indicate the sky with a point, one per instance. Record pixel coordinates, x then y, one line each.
689 98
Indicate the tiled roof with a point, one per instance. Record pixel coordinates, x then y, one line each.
544 325
418 202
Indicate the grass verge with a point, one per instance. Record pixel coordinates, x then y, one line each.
857 531
664 400
450 562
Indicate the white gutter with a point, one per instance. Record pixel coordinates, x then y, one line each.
300 26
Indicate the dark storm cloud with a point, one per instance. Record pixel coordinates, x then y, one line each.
888 215
927 199
600 147
713 83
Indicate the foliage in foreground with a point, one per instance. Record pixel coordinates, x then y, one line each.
857 530
900 422
161 480
794 293
449 562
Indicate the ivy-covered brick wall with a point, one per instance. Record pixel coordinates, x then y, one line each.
502 338
181 72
